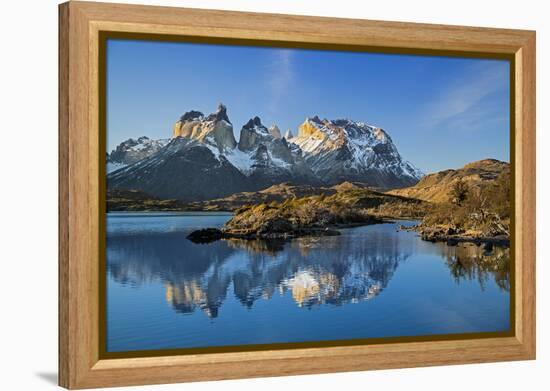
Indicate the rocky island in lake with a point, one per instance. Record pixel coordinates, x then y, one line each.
348 205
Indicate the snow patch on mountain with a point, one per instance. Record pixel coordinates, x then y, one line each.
111 167
132 151
242 160
336 149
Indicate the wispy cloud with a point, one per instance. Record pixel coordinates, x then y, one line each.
467 95
279 76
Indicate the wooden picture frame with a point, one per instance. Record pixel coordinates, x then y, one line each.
81 156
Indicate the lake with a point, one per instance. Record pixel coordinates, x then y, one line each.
165 292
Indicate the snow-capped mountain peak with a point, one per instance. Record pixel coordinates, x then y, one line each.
132 151
342 148
288 134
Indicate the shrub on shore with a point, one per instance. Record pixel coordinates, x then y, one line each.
483 209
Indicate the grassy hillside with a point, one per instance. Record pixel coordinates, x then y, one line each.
469 203
275 193
436 187
137 201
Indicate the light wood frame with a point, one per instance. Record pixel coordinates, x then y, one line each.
80 24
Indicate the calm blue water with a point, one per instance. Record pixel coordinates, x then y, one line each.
165 292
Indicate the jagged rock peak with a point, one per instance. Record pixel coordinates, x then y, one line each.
192 115
253 133
219 115
288 134
255 122
275 131
215 130
316 119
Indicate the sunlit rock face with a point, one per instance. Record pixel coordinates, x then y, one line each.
254 133
214 129
275 131
345 150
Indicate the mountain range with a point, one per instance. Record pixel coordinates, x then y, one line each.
203 160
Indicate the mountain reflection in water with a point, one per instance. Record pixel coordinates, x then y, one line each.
165 292
315 271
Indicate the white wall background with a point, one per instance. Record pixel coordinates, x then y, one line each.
28 218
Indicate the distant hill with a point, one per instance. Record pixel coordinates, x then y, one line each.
277 193
137 201
436 187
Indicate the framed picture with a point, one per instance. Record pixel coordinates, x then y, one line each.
247 195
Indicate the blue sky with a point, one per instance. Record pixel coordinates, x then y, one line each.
440 112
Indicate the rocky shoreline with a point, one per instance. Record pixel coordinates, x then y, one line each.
452 236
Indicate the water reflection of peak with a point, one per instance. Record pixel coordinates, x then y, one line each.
311 288
185 298
333 271
136 259
271 246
